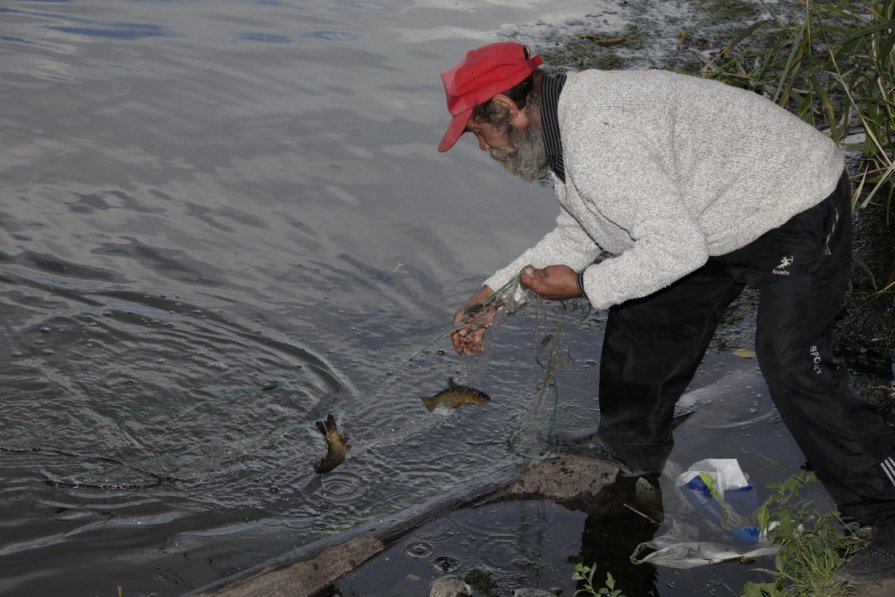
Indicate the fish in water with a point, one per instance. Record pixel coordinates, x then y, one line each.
336 446
455 395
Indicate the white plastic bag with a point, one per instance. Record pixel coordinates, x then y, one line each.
721 504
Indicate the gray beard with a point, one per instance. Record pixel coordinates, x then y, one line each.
528 158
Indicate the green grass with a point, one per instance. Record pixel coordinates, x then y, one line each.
813 545
834 68
585 576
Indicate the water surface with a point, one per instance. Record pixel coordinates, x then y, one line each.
220 221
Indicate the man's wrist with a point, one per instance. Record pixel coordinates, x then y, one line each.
579 279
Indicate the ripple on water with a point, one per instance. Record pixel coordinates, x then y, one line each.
84 471
446 563
503 553
439 531
344 36
418 549
341 487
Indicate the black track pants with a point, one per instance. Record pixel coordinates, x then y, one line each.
653 346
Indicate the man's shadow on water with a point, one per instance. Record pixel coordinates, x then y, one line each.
626 514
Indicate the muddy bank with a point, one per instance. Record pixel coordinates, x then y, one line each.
866 326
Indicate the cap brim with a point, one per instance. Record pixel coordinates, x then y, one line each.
454 130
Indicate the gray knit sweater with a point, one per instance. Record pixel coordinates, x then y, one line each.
664 170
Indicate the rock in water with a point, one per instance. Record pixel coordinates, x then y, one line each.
449 586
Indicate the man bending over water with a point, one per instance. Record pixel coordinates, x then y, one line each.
696 190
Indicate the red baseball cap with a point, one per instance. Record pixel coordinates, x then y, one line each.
481 75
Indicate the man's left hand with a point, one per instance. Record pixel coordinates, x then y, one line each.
554 282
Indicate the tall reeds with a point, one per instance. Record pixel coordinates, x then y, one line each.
835 68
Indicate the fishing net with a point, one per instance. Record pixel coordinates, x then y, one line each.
546 324
204 444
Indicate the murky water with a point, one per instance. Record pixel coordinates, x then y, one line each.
535 544
221 220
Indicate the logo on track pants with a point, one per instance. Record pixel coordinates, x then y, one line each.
815 360
781 268
888 466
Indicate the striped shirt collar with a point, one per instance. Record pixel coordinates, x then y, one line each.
550 90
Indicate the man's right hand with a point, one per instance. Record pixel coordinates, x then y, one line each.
471 320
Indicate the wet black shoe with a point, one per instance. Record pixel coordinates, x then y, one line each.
581 442
874 563
587 443
576 438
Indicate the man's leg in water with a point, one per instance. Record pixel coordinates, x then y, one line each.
651 350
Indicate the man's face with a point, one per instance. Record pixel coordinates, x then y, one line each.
520 149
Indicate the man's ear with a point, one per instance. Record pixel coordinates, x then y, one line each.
517 116
505 101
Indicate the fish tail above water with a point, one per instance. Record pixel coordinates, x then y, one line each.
329 426
337 445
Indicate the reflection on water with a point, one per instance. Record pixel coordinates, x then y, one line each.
219 222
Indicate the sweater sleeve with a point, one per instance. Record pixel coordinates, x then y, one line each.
629 185
567 244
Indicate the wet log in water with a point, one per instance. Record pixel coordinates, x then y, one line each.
568 480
